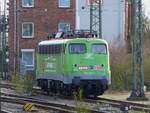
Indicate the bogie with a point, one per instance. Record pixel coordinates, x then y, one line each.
57 87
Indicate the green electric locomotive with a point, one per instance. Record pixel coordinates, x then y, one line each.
64 65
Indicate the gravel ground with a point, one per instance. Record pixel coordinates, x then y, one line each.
101 107
54 99
8 91
123 96
16 108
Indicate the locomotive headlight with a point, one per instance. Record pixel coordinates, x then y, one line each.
83 67
97 67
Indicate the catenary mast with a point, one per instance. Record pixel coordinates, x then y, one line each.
95 17
137 52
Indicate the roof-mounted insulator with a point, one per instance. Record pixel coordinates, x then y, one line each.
73 34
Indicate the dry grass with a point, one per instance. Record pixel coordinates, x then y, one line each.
23 84
121 67
147 63
81 107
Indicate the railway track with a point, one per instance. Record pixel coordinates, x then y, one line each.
40 103
123 105
4 111
6 85
70 109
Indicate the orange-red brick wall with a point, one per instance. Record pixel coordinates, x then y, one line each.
45 15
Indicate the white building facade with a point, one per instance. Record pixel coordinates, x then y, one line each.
113 13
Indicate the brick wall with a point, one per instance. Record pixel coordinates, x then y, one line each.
45 15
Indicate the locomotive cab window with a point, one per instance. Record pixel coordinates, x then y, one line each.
77 48
99 48
51 49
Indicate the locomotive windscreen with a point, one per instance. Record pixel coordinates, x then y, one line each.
99 48
77 48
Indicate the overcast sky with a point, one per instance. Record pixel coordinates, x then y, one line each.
146 4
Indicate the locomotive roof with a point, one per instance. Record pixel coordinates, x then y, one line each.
55 41
61 41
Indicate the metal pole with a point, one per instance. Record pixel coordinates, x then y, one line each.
100 20
4 39
134 82
137 53
15 33
91 16
3 46
95 17
141 42
18 30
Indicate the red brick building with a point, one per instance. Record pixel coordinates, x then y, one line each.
31 21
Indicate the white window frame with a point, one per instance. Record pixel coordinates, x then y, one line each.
29 50
28 5
32 30
62 6
64 23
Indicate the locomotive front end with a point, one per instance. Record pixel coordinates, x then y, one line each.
89 65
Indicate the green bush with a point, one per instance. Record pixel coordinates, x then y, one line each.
23 84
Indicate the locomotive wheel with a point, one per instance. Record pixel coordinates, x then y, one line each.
67 90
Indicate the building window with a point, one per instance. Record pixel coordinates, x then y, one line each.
63 26
27 30
64 3
28 58
27 3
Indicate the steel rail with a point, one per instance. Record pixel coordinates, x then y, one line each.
6 86
37 104
120 104
112 102
65 108
4 111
